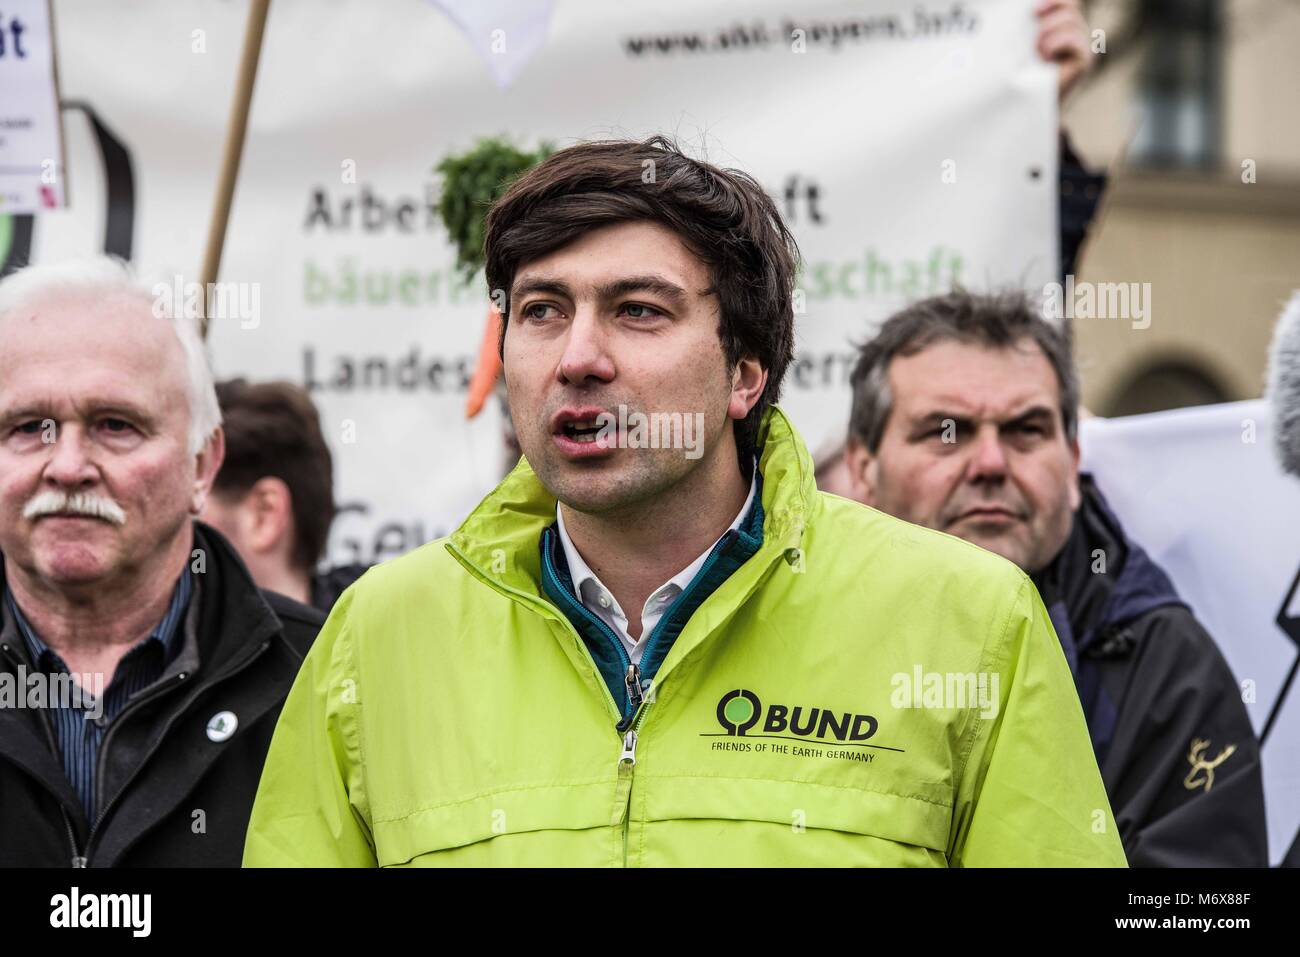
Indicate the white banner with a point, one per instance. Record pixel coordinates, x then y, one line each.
910 145
1201 490
31 147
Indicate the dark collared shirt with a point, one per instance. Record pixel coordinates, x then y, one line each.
78 732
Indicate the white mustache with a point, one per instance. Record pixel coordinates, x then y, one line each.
51 502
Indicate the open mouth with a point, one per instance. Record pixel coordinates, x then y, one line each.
582 431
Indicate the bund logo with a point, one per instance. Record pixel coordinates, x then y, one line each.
739 712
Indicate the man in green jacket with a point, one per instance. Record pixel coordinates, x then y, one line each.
656 643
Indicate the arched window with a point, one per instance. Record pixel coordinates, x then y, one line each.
1165 385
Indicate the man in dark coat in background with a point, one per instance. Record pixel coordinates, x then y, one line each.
1172 737
964 419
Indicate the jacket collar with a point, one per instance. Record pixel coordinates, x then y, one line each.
499 540
1087 604
233 616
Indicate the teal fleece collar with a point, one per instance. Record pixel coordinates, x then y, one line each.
731 551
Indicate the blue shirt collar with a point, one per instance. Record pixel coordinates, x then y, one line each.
167 633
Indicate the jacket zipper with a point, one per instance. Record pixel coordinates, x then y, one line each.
631 725
627 758
134 705
630 722
636 706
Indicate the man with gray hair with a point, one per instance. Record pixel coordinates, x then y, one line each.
141 670
965 419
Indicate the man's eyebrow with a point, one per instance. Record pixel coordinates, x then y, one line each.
22 413
126 410
1033 412
938 418
92 409
656 285
557 287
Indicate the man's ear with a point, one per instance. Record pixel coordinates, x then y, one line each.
269 503
748 380
862 471
207 465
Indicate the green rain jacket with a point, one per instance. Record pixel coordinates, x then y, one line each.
821 706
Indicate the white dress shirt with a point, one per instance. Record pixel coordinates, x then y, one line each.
600 601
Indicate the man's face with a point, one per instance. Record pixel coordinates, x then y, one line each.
93 400
975 446
619 317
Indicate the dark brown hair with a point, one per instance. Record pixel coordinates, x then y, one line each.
722 215
996 320
273 429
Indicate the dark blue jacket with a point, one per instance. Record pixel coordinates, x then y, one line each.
1176 748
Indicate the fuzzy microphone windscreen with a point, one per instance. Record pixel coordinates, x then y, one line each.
1284 385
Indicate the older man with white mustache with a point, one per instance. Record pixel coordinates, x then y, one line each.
110 438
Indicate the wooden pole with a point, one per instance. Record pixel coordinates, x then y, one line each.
233 151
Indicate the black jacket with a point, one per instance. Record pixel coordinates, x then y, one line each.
170 795
327 586
1160 701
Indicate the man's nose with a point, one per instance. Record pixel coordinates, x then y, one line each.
988 459
586 351
70 463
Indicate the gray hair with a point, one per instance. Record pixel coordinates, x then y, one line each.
103 276
997 320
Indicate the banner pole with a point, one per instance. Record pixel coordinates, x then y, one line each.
233 150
